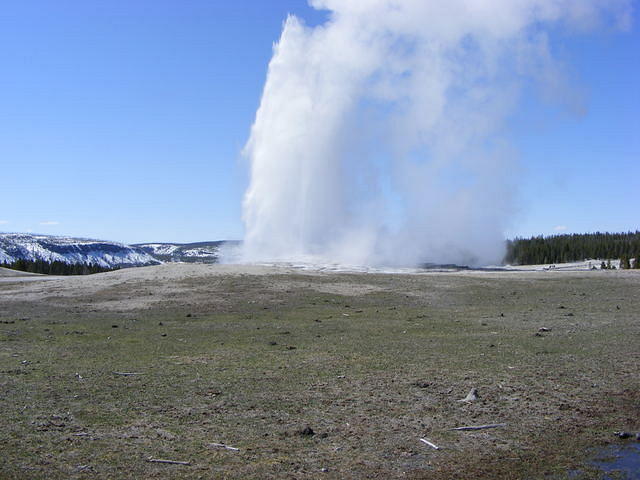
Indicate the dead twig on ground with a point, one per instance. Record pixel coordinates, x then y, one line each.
480 427
432 445
222 445
172 462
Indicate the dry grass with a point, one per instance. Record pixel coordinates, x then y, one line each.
370 362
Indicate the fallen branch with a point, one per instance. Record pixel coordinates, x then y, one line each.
127 374
172 462
480 427
222 445
432 445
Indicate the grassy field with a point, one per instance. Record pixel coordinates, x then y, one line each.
370 363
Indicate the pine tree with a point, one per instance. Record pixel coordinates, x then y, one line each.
624 263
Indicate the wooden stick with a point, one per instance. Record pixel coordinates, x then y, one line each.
481 427
222 445
432 445
172 462
126 374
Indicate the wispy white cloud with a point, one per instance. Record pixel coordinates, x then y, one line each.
4 222
50 223
560 228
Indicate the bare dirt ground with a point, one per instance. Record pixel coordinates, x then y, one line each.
315 375
8 275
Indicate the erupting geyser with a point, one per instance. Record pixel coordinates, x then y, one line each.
378 138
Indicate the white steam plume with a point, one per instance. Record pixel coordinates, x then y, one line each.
377 140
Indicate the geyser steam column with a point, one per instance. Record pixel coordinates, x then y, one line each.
378 137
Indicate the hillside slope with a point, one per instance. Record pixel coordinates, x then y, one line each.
15 246
199 252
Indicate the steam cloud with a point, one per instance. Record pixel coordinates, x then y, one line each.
378 137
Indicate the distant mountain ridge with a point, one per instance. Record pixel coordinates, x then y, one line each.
200 252
16 246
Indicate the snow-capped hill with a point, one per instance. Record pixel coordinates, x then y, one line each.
159 248
200 252
15 246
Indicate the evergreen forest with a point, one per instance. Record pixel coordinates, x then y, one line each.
575 248
55 267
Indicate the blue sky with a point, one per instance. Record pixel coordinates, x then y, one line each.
124 120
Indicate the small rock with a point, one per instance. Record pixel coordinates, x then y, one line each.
324 470
538 334
165 434
561 307
160 324
569 314
163 335
114 326
421 384
189 315
637 437
472 396
273 343
622 434
291 347
544 329
306 432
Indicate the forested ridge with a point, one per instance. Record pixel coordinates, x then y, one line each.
55 267
575 247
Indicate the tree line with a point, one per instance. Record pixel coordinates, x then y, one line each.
575 248
56 267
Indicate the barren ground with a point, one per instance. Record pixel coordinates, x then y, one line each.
251 356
